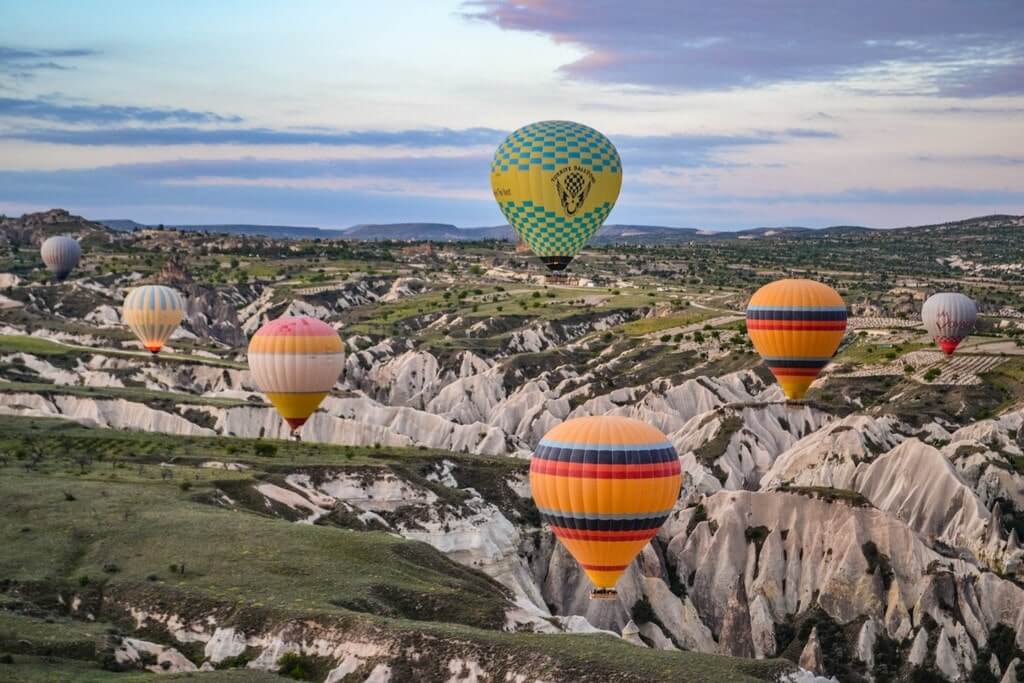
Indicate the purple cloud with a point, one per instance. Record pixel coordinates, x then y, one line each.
190 135
698 45
53 109
23 63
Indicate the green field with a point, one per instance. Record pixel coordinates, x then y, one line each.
652 325
45 347
151 397
10 343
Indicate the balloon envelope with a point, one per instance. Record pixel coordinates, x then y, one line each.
605 485
556 182
295 362
153 313
796 326
60 254
949 318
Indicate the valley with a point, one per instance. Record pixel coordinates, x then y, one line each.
157 516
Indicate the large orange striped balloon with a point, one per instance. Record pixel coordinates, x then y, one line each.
796 326
605 485
295 362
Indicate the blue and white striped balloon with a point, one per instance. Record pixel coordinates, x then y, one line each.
60 254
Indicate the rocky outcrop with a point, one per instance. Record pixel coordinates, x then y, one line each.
112 413
811 658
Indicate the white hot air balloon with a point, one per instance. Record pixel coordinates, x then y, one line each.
153 312
60 254
949 317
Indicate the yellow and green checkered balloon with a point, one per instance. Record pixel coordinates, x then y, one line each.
556 182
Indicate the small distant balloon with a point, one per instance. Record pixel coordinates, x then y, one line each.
295 362
949 318
61 254
153 313
556 182
796 326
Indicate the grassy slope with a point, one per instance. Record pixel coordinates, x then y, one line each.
251 563
649 325
136 394
10 343
26 669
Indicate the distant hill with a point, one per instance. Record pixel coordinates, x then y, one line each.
276 231
437 232
609 234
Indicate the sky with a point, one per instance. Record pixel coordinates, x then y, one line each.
727 115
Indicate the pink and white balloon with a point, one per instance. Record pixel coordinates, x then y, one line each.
949 317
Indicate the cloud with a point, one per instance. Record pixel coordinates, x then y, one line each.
984 159
676 150
983 81
131 191
454 171
699 45
344 192
57 110
961 110
701 151
190 135
23 63
932 196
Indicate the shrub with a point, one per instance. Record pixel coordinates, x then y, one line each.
643 613
265 450
294 665
236 662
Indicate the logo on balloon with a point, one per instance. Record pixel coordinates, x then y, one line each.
573 184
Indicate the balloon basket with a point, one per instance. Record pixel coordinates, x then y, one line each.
604 594
557 277
296 437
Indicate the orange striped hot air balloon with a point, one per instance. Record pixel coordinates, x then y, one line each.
295 362
605 485
796 326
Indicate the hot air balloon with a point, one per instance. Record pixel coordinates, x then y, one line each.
60 254
153 312
949 317
556 182
796 326
295 362
605 485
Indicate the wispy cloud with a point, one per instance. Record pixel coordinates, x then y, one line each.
192 135
57 110
23 63
149 194
702 151
933 196
965 49
983 159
